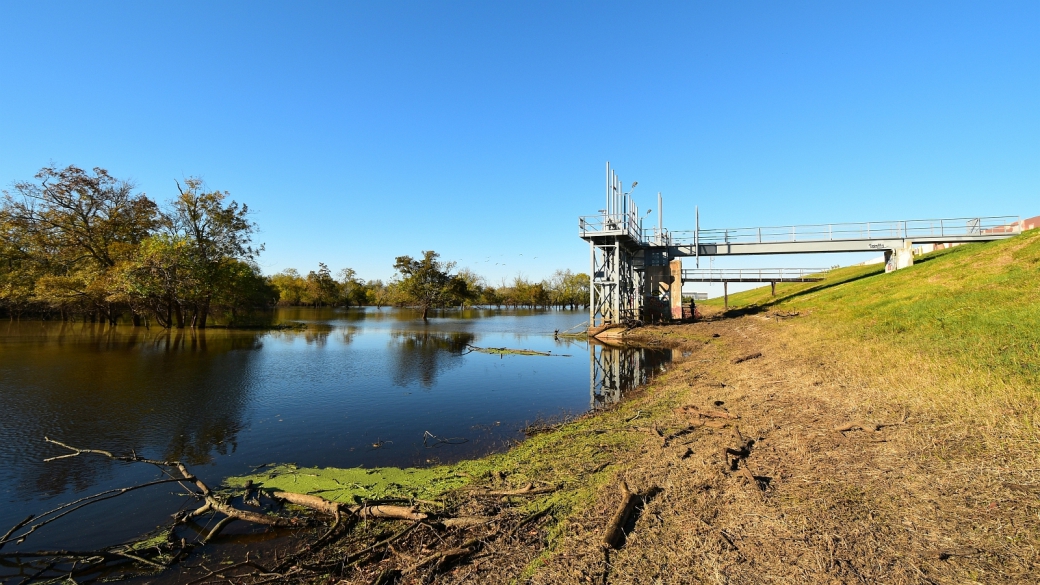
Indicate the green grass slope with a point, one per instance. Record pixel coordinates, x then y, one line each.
977 305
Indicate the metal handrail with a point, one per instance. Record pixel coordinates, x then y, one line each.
610 223
873 230
763 274
657 237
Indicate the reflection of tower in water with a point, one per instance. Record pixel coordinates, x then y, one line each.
614 370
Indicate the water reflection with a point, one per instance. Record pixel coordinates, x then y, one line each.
170 394
614 370
418 356
227 401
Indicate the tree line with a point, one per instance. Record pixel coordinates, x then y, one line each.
77 244
428 282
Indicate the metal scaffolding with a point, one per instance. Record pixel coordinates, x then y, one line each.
615 256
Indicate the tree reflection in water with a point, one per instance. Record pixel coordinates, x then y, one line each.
418 356
172 394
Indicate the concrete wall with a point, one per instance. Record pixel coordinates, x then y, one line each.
675 268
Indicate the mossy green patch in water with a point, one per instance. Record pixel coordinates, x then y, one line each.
357 484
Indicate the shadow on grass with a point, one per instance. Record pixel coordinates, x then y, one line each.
755 308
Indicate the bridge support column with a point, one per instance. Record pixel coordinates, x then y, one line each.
675 290
772 286
899 258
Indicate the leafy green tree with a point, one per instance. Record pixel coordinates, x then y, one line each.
428 282
322 289
351 288
377 293
291 287
157 280
568 289
244 291
77 226
217 232
474 286
490 296
18 272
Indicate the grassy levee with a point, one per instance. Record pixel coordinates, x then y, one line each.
961 326
974 308
938 482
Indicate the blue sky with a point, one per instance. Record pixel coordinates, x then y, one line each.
362 131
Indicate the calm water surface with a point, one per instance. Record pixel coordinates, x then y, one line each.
228 401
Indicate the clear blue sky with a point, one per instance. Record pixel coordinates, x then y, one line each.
362 131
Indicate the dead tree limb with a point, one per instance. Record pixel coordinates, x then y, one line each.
352 557
616 527
70 507
176 471
748 357
693 411
447 556
331 508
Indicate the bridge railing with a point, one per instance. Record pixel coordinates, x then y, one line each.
610 223
871 230
760 274
657 237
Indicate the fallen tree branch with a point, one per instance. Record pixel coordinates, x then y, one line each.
679 433
332 508
229 568
530 519
507 351
3 539
616 527
349 559
527 490
440 558
467 521
71 507
693 411
856 426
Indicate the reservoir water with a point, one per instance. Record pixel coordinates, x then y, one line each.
358 387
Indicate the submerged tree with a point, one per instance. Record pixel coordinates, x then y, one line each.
83 242
428 282
351 288
74 227
219 235
322 289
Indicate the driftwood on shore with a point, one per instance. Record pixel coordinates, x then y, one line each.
161 553
615 529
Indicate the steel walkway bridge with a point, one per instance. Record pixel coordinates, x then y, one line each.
770 275
753 274
633 268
